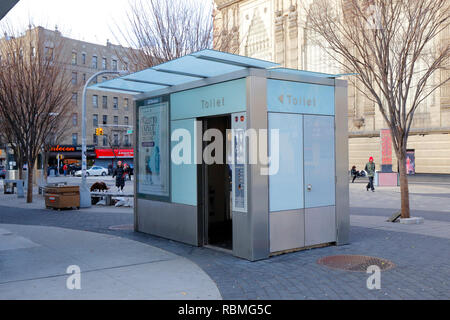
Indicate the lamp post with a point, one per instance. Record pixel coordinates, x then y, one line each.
85 195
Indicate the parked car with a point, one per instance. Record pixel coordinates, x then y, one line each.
93 171
73 168
2 172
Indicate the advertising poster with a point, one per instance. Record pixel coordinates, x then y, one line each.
153 144
410 162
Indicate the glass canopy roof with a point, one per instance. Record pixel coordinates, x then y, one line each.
196 66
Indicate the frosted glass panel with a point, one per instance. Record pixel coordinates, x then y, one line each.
184 176
319 161
286 187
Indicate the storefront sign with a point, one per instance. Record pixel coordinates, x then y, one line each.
70 148
221 98
153 146
297 97
109 153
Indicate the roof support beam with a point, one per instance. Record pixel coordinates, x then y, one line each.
121 89
187 74
149 82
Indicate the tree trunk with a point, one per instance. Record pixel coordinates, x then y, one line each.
404 190
20 167
30 183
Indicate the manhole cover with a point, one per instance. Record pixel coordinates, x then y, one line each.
122 227
355 262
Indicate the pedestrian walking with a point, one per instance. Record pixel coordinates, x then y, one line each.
119 174
65 170
370 169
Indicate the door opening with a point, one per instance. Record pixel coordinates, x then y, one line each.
217 182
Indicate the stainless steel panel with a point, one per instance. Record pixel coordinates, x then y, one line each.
168 220
287 230
320 225
341 150
251 229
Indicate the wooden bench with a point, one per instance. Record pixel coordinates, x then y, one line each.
109 195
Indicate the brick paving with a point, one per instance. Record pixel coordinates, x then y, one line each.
422 260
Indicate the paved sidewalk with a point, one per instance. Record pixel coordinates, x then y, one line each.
34 261
432 228
420 253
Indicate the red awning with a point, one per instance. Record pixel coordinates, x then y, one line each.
108 153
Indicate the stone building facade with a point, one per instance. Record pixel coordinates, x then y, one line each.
277 30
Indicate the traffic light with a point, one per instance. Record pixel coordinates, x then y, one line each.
99 131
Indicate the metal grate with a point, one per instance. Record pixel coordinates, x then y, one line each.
355 262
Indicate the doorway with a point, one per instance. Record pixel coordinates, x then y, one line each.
217 185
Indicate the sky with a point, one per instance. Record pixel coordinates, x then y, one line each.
88 20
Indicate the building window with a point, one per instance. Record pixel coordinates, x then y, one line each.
105 140
95 120
104 79
105 102
116 103
83 58
95 139
125 121
127 141
105 119
48 53
74 58
75 98
116 139
94 81
104 64
75 139
75 119
33 51
74 78
116 120
95 101
125 66
126 103
94 62
84 77
114 65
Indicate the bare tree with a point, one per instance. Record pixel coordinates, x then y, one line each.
115 136
394 47
35 91
7 136
165 30
54 137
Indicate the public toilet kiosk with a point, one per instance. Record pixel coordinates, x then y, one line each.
239 154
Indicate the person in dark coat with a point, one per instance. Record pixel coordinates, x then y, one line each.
355 173
119 174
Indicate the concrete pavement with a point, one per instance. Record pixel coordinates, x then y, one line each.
420 253
34 261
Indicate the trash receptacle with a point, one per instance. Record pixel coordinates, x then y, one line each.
60 197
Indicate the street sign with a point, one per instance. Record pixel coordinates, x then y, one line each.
130 131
